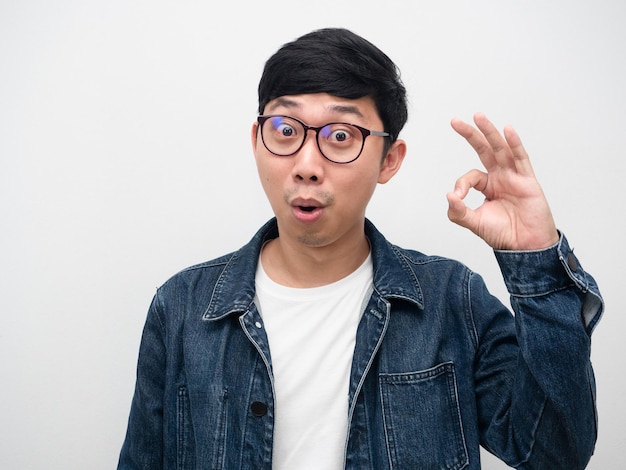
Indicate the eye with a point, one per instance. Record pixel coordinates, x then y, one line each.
340 136
286 130
337 133
283 128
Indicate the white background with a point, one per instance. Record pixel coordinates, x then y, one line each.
125 156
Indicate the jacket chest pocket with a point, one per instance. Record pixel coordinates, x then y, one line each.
422 419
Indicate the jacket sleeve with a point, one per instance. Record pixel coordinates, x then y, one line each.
143 445
541 413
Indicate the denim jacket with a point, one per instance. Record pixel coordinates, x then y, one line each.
440 366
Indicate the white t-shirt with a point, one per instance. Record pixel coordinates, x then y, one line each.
312 334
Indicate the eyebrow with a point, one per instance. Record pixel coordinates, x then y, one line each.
334 108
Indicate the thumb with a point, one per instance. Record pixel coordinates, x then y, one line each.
458 212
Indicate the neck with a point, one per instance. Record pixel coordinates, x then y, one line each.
294 265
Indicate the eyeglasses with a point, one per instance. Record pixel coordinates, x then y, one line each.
338 142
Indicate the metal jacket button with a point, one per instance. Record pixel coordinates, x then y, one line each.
258 408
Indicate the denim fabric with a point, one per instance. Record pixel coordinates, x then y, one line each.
440 366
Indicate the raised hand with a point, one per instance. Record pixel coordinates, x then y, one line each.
515 214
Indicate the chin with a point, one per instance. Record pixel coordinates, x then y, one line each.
313 239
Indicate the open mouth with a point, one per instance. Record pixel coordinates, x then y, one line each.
307 210
307 213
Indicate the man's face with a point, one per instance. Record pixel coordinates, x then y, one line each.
318 202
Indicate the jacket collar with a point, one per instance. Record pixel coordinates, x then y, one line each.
235 289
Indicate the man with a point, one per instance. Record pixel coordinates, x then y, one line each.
321 345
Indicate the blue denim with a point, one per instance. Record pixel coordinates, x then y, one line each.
440 366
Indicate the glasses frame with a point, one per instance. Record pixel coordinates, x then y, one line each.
364 132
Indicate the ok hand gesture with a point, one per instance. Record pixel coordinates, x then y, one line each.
515 214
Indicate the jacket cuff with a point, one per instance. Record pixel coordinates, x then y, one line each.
539 272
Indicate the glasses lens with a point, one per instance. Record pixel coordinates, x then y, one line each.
282 135
340 142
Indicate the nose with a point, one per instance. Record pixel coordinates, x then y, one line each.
308 161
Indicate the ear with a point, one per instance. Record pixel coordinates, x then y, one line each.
392 161
254 135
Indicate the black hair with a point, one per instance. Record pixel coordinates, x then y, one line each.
341 63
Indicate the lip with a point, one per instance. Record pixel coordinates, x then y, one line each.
307 210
